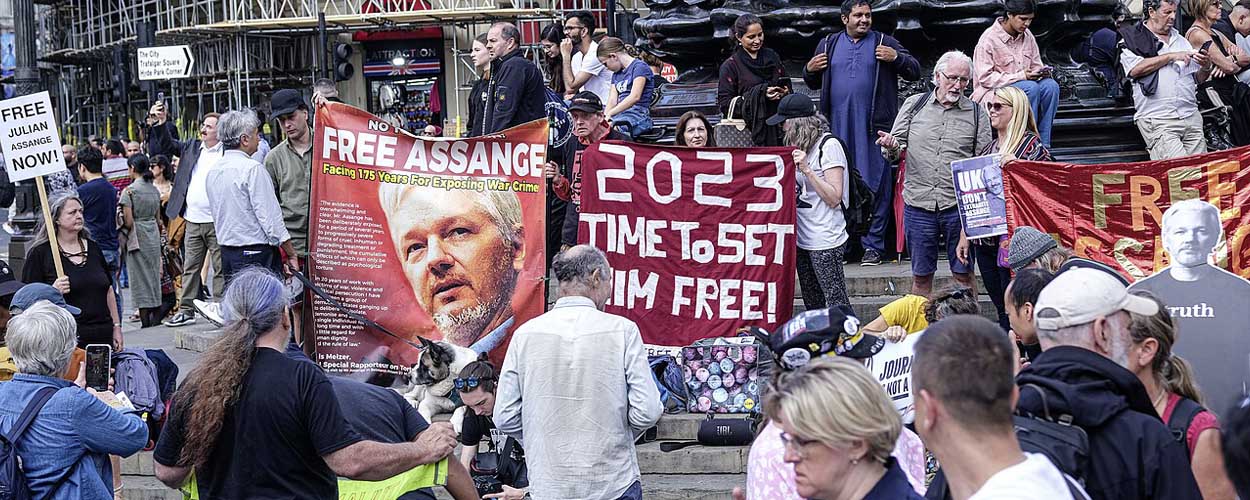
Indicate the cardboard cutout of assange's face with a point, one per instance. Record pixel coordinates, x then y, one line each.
1191 229
461 251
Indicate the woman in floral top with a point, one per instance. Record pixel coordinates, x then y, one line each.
1015 138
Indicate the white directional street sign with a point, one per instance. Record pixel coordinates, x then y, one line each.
165 63
29 137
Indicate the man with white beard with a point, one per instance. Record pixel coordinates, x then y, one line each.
1081 378
461 251
936 128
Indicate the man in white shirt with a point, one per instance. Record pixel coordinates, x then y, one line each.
1165 85
249 223
582 69
575 389
189 200
965 394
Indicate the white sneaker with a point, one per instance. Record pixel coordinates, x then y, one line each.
210 311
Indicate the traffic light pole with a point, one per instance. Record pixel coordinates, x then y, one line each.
325 45
26 78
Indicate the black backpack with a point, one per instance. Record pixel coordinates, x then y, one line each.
1064 443
13 484
858 210
1181 418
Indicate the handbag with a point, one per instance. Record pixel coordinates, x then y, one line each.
733 132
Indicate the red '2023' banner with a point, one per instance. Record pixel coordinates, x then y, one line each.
1112 212
701 241
439 238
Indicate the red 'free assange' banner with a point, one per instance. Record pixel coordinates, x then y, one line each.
701 241
1113 213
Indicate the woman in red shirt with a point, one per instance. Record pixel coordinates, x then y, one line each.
1170 384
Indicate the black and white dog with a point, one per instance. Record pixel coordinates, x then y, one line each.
432 379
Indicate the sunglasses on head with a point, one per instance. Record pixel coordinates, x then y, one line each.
468 384
957 294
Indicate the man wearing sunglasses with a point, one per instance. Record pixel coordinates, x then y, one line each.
495 460
582 69
936 128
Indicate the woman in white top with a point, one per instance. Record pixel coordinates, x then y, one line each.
822 189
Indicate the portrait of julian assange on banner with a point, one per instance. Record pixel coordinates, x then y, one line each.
979 191
1177 228
1113 213
701 241
437 238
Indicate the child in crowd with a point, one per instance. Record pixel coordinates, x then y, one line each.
629 103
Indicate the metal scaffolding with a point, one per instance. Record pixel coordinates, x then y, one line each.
245 48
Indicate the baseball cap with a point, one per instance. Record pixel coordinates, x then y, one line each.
819 332
1078 263
1027 244
1079 296
792 106
9 284
586 101
35 292
286 101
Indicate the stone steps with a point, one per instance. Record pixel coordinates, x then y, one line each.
675 486
693 459
148 488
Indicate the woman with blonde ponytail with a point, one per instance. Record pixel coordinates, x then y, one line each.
1170 384
1015 138
629 100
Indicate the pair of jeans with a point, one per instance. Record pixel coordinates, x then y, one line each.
926 231
821 277
198 243
883 206
995 277
633 122
1044 99
633 493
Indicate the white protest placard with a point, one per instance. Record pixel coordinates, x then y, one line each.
29 137
164 63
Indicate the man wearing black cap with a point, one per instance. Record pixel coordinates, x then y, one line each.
565 178
289 165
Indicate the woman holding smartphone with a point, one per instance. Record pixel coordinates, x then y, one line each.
755 73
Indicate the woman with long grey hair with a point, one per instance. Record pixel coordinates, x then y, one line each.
250 410
823 185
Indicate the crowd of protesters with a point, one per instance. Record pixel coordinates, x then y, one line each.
559 417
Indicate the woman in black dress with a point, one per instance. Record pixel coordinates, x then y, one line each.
754 73
87 283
